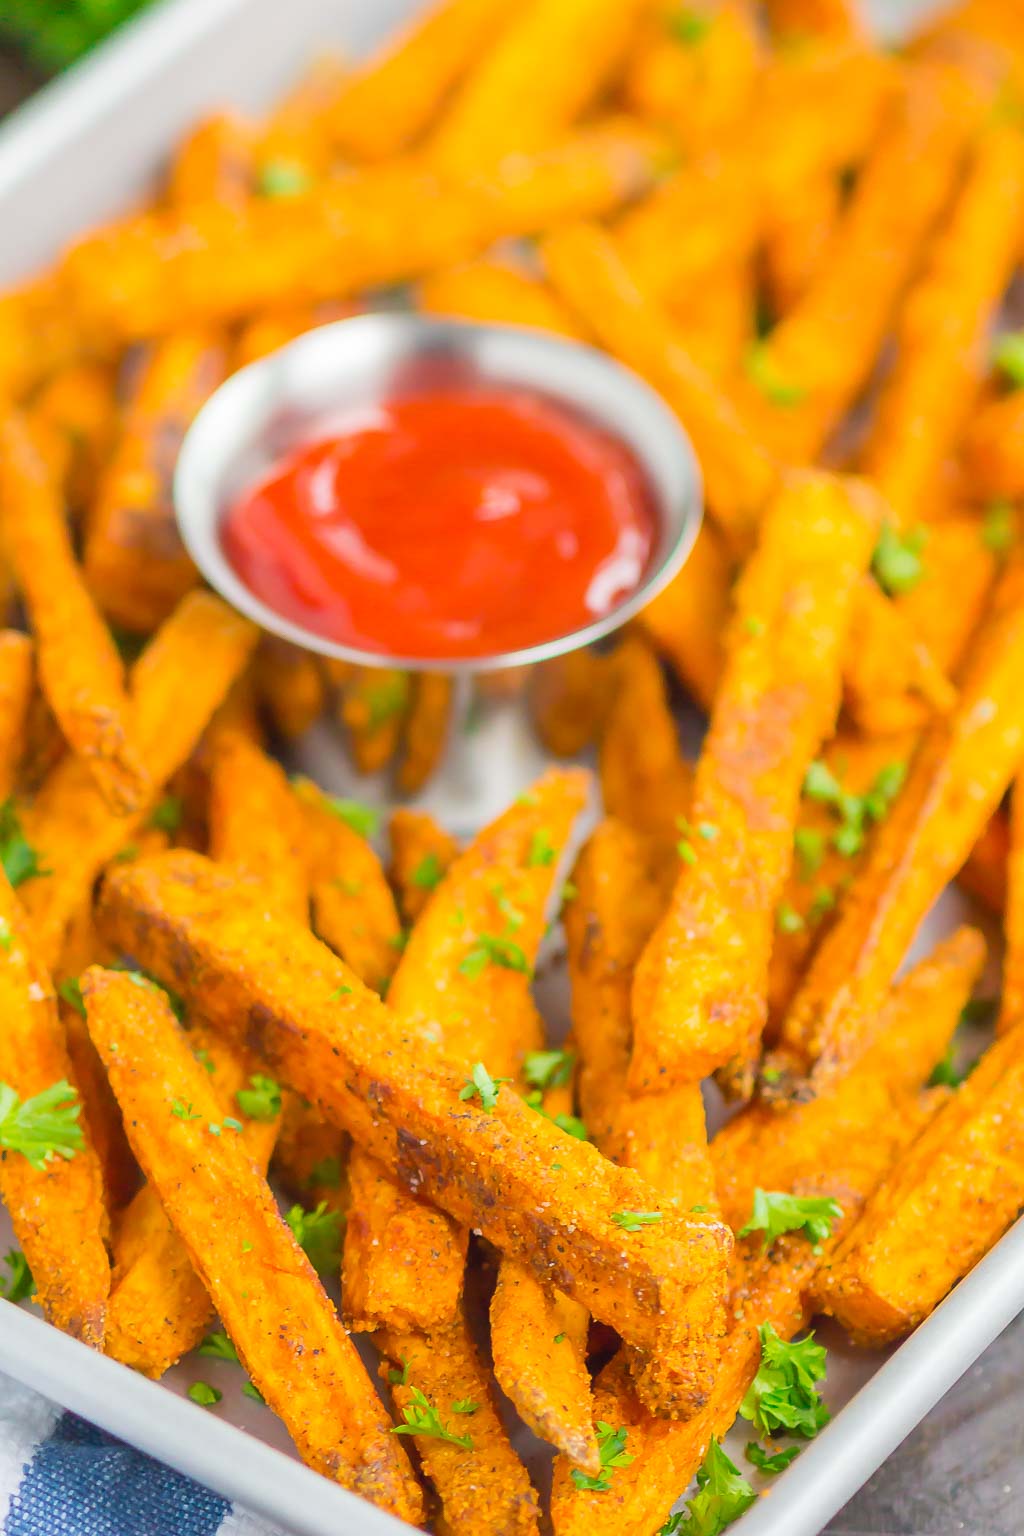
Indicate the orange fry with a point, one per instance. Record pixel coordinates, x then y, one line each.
255 824
374 703
79 667
688 620
425 735
695 77
1011 1009
569 699
421 854
943 1206
273 1306
153 273
699 1000
290 686
984 875
78 406
16 683
69 823
507 106
816 18
216 156
645 780
495 291
57 1210
956 781
268 980
943 336
993 450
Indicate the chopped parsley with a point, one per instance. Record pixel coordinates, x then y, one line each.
759 1458
399 1378
784 1393
688 26
282 178
206 1396
363 819
251 1390
823 903
422 1418
809 846
318 1234
492 949
71 993
946 1073
150 984
776 1212
465 1406
632 1221
166 815
387 699
43 1126
763 372
897 563
542 850
327 1172
480 1084
611 1448
723 1494
707 830
182 1111
428 873
261 1100
1008 357
753 626
18 857
788 919
548 1069
219 1347
20 1285
999 527
6 936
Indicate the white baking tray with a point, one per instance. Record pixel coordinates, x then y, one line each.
77 154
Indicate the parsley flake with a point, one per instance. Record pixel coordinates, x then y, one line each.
759 1458
70 991
1008 357
327 1172
318 1234
632 1221
689 27
548 1069
490 949
897 563
399 1378
542 850
611 1448
43 1126
428 873
20 1286
788 919
809 847
251 1390
480 1084
282 178
776 1212
182 1111
261 1100
18 857
763 372
363 819
166 815
465 1406
219 1347
999 527
206 1396
6 936
422 1418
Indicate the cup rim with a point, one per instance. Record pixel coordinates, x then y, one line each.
252 392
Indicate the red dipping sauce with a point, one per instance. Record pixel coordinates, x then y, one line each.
456 524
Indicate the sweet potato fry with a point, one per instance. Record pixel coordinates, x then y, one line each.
289 685
17 670
255 824
993 449
69 823
569 699
135 563
215 157
699 1001
943 335
270 981
353 908
425 733
586 269
645 780
688 621
819 358
495 290
293 144
943 1206
901 1043
56 1208
374 704
1011 1010
798 243
159 1307
152 274
956 781
388 102
310 1159
984 875
816 18
539 1345
622 883
718 325
79 406
79 667
506 105
892 682
273 1306
699 86
421 854
485 1487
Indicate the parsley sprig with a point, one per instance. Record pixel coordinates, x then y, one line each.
495 949
723 1494
422 1418
611 1448
43 1126
772 1464
784 1394
261 1100
776 1212
480 1084
318 1234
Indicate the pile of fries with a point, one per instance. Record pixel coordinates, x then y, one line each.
209 977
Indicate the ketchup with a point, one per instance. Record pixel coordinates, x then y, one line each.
453 524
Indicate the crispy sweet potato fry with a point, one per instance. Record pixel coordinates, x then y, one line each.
159 1307
57 1211
700 88
956 781
387 103
569 699
289 685
700 991
717 325
483 1488
79 406
942 338
353 908
901 1043
373 708
993 449
69 824
425 733
984 874
255 823
507 105
892 682
421 854
310 1157
816 18
943 1206
153 273
645 780
798 243
135 562
539 1345
495 290
270 981
217 157
16 682
273 1306
79 667
688 621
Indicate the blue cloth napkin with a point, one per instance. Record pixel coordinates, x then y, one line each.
59 1476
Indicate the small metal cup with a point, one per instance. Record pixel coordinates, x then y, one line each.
299 392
